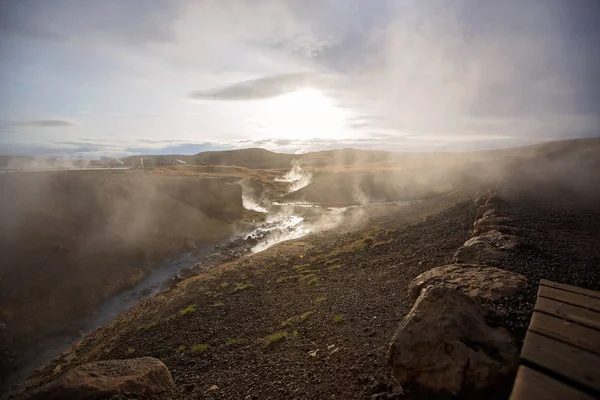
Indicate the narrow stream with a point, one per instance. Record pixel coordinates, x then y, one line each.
284 221
281 224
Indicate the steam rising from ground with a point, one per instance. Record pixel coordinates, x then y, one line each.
31 164
298 176
249 201
291 221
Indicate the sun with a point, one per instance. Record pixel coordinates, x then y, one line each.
305 113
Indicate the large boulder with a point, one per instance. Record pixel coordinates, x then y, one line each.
483 209
492 212
496 200
477 281
444 346
489 248
492 221
480 201
104 379
508 230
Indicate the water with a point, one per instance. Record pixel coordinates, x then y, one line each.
285 221
44 351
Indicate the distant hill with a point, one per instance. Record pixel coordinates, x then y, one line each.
256 158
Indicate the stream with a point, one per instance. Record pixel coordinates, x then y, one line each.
282 223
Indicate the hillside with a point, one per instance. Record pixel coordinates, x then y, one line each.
313 317
71 239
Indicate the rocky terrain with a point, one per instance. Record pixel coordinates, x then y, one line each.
71 239
314 317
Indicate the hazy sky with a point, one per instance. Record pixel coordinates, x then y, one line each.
89 78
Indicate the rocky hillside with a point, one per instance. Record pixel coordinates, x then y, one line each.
314 317
71 239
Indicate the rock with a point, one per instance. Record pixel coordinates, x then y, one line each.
496 239
104 379
480 201
190 245
497 200
481 210
477 281
488 248
492 212
492 221
509 230
444 346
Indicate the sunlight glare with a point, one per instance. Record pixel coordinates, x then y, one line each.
305 113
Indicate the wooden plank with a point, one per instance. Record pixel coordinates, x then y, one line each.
533 385
580 315
567 331
570 288
575 299
569 362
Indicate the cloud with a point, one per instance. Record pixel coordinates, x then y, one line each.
44 123
261 88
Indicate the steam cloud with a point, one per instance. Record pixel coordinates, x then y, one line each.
297 176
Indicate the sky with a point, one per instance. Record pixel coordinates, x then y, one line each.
90 79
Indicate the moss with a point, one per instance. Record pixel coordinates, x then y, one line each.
130 350
382 243
338 318
181 349
199 348
219 304
243 286
301 266
319 299
297 318
188 310
277 337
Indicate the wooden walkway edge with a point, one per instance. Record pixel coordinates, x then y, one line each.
560 358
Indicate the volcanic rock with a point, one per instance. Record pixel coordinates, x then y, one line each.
481 210
497 200
488 248
477 281
104 379
444 346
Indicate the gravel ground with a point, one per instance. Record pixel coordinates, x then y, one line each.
312 318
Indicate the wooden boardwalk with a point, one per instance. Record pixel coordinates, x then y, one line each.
560 358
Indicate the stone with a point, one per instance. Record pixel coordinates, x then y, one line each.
476 281
496 239
492 221
481 210
480 201
492 212
104 379
481 229
445 347
488 248
497 200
